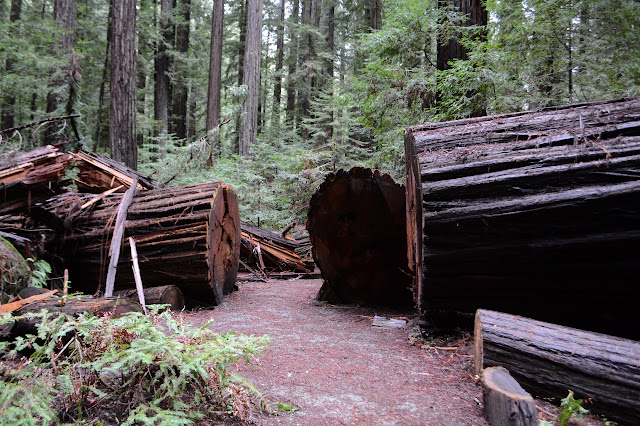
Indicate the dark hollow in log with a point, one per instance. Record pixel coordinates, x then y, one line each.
525 212
356 224
188 235
505 402
548 360
161 295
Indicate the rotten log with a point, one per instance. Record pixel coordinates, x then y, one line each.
522 212
505 402
161 295
189 235
356 224
549 359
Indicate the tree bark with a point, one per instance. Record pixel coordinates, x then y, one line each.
187 235
251 78
357 227
180 91
215 70
277 85
162 295
122 134
97 136
491 199
9 100
162 62
293 62
505 402
548 359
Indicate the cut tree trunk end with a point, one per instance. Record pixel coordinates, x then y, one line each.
162 295
505 402
187 235
548 360
524 212
356 224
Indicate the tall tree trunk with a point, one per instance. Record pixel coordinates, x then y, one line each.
142 71
251 77
161 93
122 135
65 15
375 18
9 100
241 51
328 80
98 133
277 85
293 62
215 69
180 91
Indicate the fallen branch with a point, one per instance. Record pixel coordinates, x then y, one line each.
36 123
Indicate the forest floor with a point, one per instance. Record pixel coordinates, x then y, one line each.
338 369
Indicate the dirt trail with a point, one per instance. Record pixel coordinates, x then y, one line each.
330 362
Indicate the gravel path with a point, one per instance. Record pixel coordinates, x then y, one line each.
330 361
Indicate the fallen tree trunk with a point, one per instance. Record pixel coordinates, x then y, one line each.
522 212
162 295
549 360
115 307
356 225
189 235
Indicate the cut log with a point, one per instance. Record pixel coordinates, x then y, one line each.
356 225
548 360
162 295
189 235
505 402
523 212
97 173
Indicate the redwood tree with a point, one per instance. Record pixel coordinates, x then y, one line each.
122 134
251 77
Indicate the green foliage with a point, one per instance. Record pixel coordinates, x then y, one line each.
39 273
135 369
571 408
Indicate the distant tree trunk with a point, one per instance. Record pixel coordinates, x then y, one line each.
215 69
241 50
251 77
191 122
450 48
65 15
331 9
161 93
311 18
277 85
98 133
142 71
375 18
9 100
293 62
180 91
122 135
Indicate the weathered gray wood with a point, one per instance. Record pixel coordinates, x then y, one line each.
549 359
116 240
505 402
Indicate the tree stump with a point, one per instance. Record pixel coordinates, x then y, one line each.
505 402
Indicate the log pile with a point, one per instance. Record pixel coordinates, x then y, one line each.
189 236
549 359
535 213
356 224
269 254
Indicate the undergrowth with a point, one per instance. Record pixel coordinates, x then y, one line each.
137 369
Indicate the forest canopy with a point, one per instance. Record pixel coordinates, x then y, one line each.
270 96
